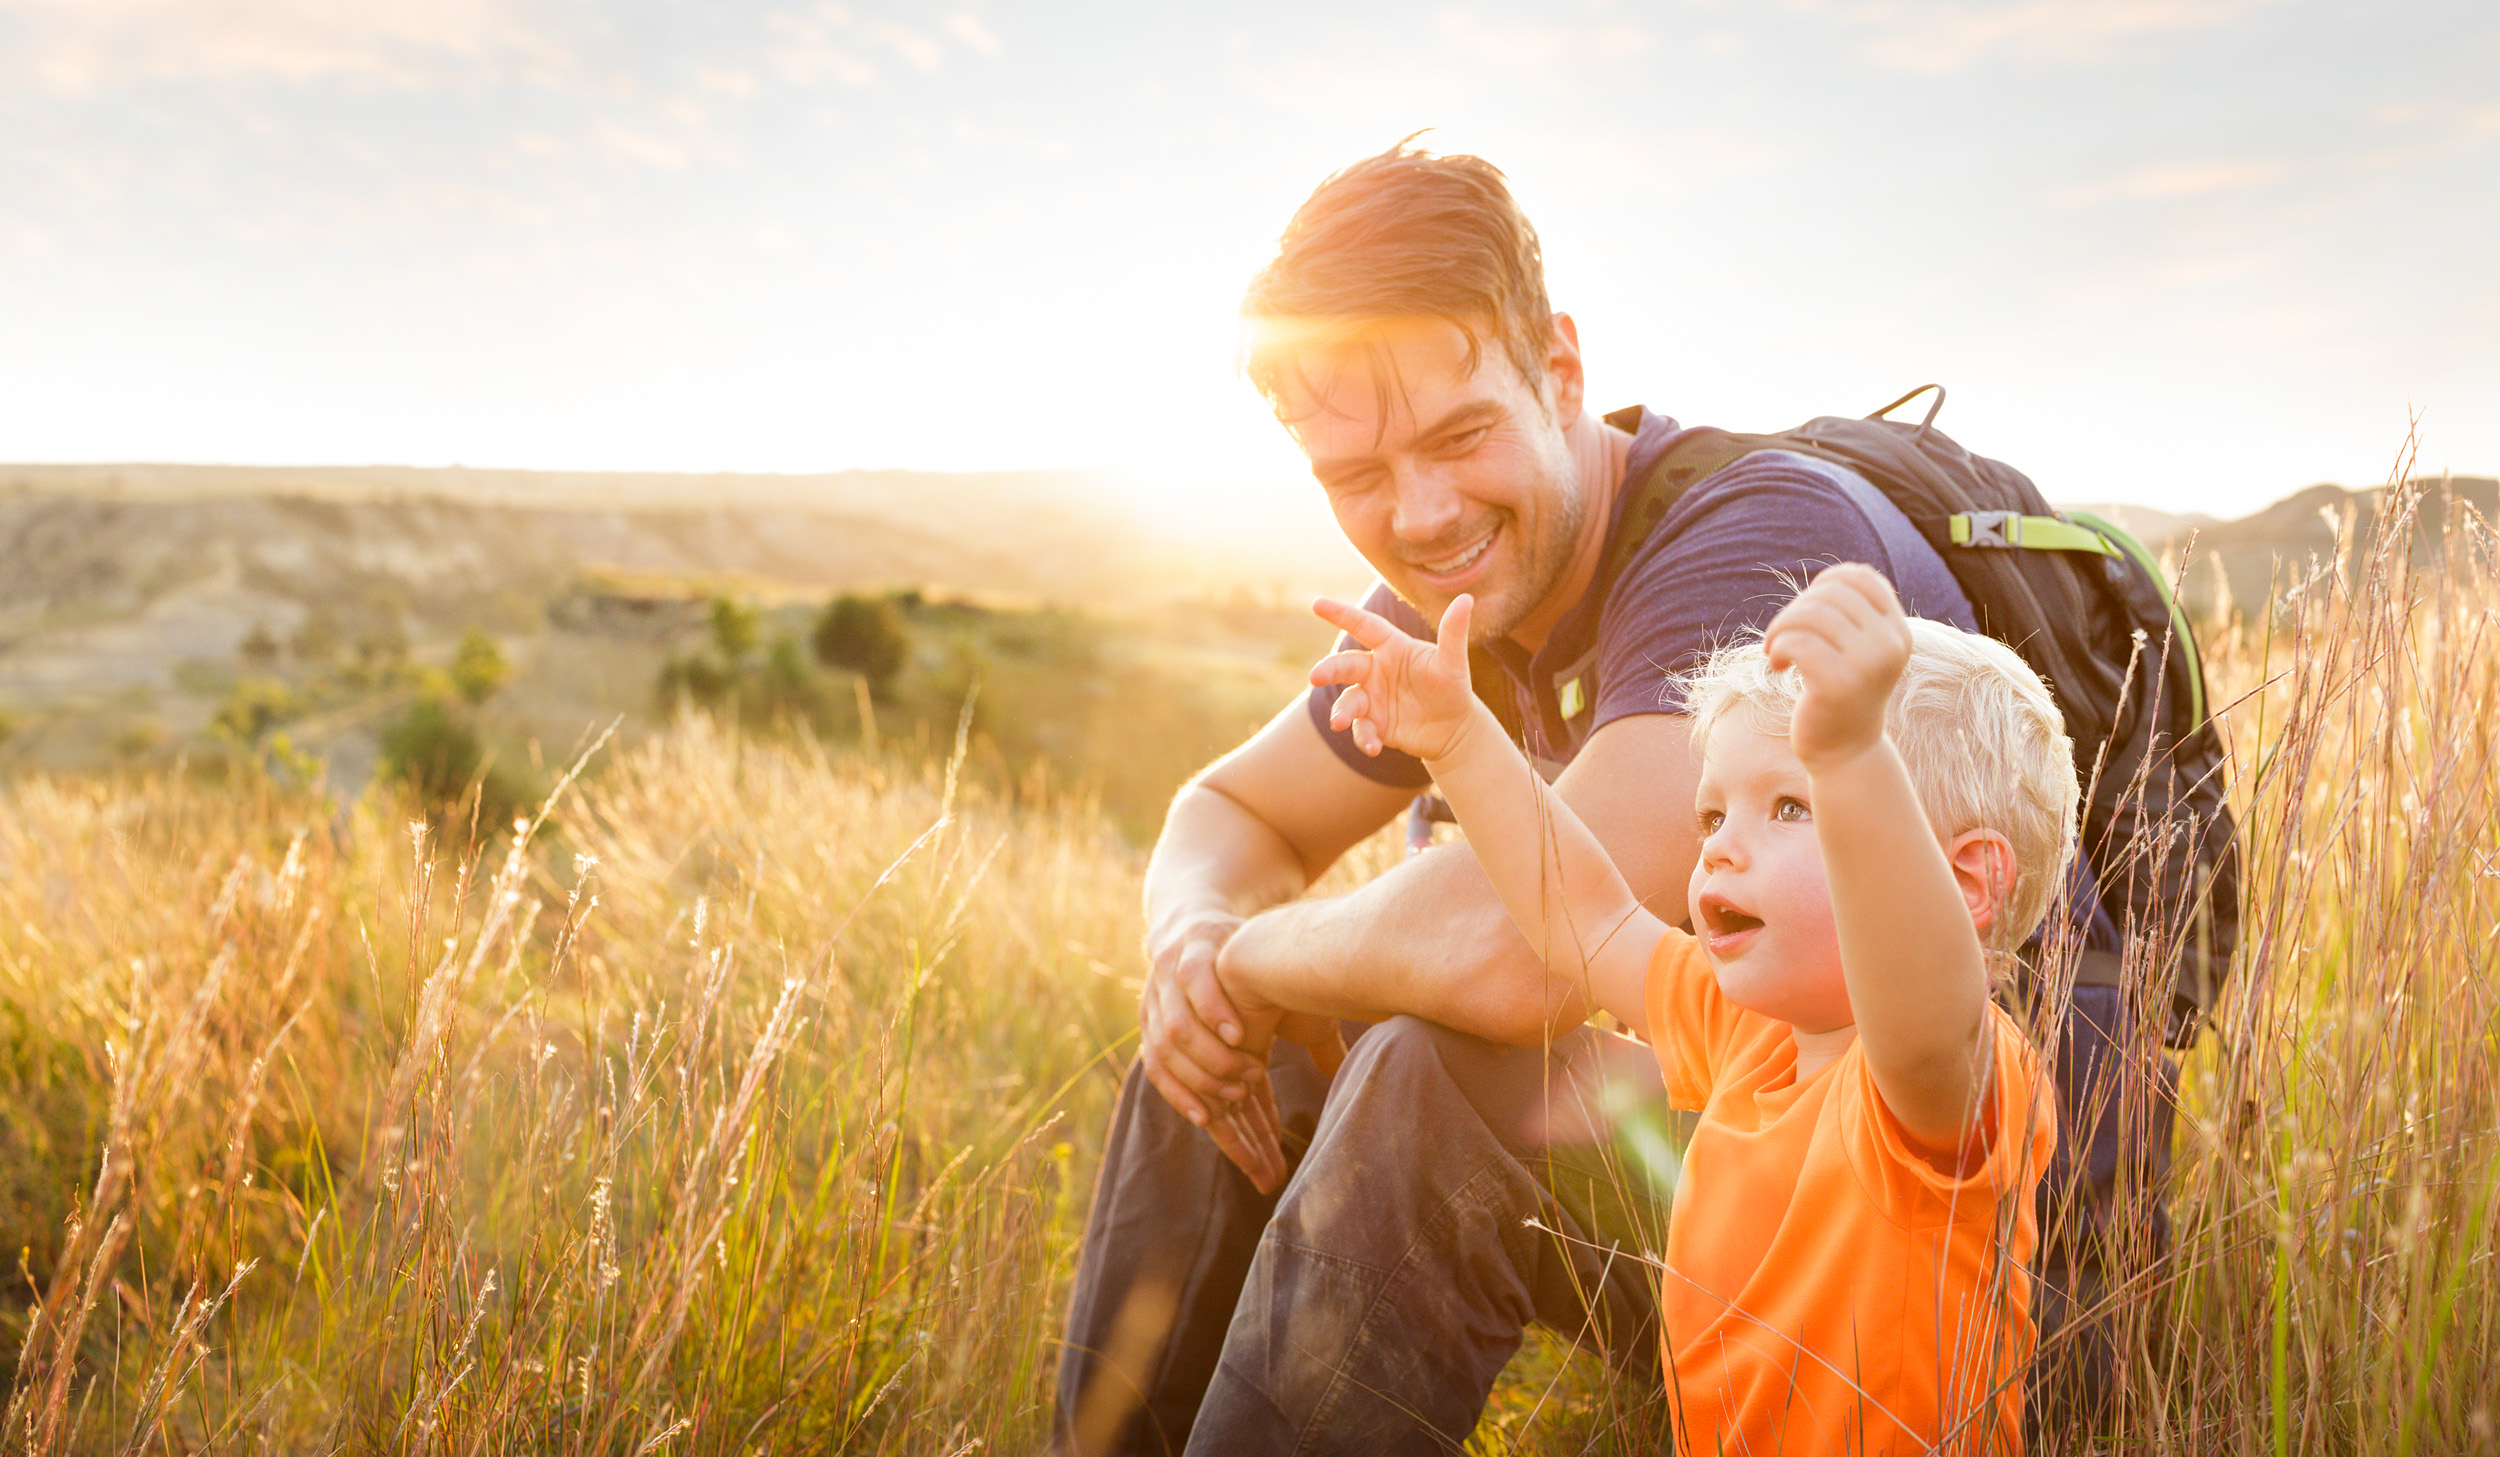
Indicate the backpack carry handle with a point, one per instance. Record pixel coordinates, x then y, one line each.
1912 395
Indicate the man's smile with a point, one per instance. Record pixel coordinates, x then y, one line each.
1449 568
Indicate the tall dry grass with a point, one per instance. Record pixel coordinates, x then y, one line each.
2338 1176
752 1103
743 1111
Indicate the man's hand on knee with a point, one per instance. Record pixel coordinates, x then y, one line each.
1192 1042
1205 1047
1249 1131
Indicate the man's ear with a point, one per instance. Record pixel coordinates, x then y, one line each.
1983 869
1566 382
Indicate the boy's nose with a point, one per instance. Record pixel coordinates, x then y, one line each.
1718 850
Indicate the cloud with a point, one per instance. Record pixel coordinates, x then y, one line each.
805 48
2175 182
642 147
803 54
77 46
1940 37
2430 130
1521 43
922 52
1017 140
969 29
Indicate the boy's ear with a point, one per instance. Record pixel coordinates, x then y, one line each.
1983 868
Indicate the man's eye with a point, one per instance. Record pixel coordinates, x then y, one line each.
1792 811
1464 441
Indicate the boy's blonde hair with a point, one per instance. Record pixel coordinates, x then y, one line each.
1984 742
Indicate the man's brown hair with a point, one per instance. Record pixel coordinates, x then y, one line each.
1407 234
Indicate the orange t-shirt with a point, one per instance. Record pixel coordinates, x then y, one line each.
1827 1288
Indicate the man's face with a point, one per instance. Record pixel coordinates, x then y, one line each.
1446 479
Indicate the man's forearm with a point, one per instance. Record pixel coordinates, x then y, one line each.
1216 858
1428 938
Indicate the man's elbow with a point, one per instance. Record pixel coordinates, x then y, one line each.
1525 1003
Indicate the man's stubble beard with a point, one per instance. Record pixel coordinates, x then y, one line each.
1566 512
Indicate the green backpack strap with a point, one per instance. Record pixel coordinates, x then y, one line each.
2030 533
2120 541
2084 531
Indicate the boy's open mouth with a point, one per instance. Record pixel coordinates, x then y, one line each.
1721 918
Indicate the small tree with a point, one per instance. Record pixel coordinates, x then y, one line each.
697 679
789 687
254 707
736 629
479 667
432 749
317 638
865 635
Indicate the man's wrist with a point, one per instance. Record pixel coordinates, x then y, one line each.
1180 924
1241 965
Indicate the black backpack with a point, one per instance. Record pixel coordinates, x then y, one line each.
2086 606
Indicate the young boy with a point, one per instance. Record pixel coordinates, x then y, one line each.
1884 806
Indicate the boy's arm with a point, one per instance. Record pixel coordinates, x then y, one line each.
1553 876
1918 984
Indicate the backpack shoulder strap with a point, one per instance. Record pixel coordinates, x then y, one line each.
1692 457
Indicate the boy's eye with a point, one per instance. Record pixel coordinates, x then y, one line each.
1791 811
1708 821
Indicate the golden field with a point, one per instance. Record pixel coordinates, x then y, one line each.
750 1102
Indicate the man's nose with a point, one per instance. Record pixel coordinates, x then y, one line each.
1428 506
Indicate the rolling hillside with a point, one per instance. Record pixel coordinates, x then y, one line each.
138 602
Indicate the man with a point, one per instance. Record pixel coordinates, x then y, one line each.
1287 1254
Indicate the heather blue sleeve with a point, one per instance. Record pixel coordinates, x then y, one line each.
1722 564
1396 770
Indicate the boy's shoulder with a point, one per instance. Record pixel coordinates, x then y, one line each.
2009 1148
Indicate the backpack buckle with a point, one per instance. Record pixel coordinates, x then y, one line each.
1986 528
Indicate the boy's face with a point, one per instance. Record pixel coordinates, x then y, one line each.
1758 898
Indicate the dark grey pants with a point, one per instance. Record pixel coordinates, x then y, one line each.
1370 1306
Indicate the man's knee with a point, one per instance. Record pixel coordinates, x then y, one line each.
1396 1127
1430 1077
1400 1048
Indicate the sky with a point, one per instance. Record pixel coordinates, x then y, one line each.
2189 253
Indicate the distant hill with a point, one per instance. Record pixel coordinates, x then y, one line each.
2146 523
2239 564
138 603
136 600
1044 533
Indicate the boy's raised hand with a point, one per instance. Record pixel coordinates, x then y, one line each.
1399 692
1846 637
